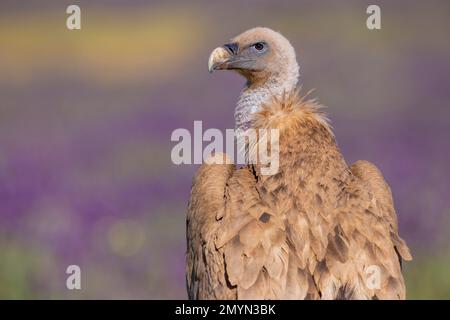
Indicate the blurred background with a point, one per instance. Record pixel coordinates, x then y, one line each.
86 118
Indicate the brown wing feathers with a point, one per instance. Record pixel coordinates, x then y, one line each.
309 232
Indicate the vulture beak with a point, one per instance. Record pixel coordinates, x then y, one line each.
221 57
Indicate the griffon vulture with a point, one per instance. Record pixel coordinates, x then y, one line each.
318 229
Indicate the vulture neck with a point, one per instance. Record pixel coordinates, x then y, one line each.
257 93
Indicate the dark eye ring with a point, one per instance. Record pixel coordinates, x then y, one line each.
259 46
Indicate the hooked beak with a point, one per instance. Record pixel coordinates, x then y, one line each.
218 59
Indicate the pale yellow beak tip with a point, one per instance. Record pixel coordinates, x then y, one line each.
217 56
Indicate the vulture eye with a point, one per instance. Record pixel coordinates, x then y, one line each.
259 46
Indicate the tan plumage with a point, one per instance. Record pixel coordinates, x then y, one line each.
311 231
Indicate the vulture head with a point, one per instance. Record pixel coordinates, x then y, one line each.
267 60
260 55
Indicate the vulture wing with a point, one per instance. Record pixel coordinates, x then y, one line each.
383 247
205 274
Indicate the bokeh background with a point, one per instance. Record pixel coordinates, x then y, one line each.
86 117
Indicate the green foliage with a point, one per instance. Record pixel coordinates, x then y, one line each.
428 277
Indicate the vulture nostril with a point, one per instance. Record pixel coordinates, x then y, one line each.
231 47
